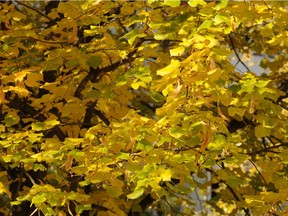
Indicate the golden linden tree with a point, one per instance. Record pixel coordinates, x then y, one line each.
113 107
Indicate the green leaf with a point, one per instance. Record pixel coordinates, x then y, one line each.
81 208
236 111
37 167
114 191
12 118
261 131
94 93
94 61
248 86
136 194
52 65
157 96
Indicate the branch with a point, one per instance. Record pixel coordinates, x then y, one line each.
236 53
269 149
43 41
39 12
22 106
30 177
94 73
93 76
144 203
259 173
101 116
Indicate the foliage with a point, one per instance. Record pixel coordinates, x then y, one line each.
120 108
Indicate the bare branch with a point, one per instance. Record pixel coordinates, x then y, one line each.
39 12
236 53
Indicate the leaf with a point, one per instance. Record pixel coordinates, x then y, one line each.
50 123
221 5
136 194
195 3
166 175
114 191
94 61
221 18
176 132
38 126
81 208
20 75
205 25
51 65
38 199
248 86
34 79
177 51
261 131
12 118
262 83
133 35
37 167
94 93
171 69
3 189
157 96
160 36
19 90
172 3
237 111
137 84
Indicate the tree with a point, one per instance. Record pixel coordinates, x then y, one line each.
122 108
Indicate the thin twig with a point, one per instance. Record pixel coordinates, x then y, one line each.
94 73
69 210
236 53
259 172
34 212
29 176
39 12
14 58
43 41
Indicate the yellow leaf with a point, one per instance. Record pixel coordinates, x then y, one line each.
207 138
261 131
177 51
172 3
136 194
171 69
33 79
194 3
20 75
50 123
3 189
21 91
166 175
